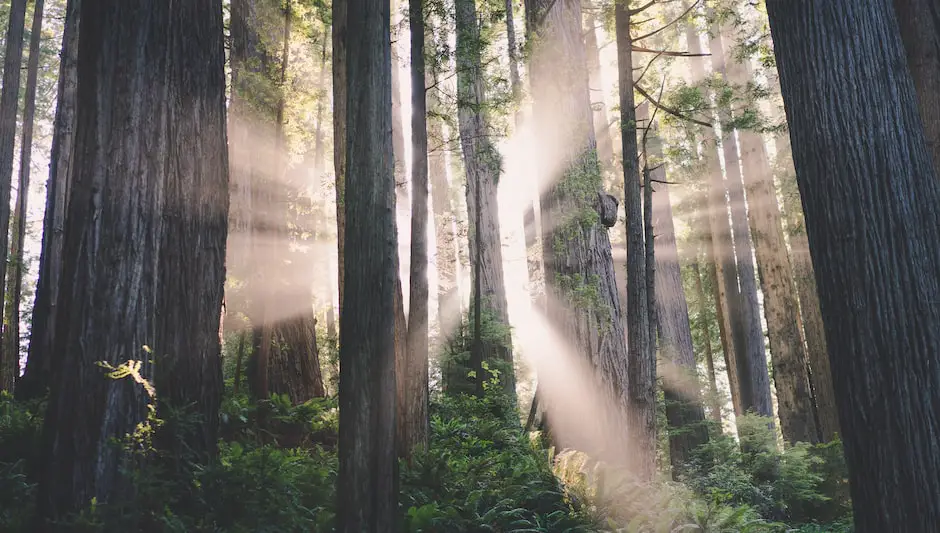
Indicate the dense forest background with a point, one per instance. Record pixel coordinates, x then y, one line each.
470 265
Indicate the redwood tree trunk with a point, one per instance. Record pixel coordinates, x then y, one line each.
415 407
576 247
790 369
368 478
870 197
640 358
41 360
11 336
684 411
746 330
481 161
339 133
145 243
9 105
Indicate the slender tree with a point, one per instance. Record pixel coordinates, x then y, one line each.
790 369
870 198
814 334
11 336
368 477
40 364
414 411
641 363
736 254
684 412
339 31
9 105
481 161
147 225
605 145
714 402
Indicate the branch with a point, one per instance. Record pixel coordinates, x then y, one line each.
642 8
648 65
661 28
674 112
670 53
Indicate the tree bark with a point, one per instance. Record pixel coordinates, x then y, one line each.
39 364
748 335
605 145
715 233
9 104
640 357
415 408
145 244
339 31
581 293
804 278
714 402
870 198
368 465
11 334
684 411
920 31
790 369
481 161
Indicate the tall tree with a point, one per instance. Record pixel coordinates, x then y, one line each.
790 369
11 335
368 477
482 164
414 411
716 238
684 411
581 292
39 364
870 198
339 31
145 243
814 334
605 145
920 31
641 361
9 105
736 253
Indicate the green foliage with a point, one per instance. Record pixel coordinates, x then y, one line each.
481 473
20 431
799 484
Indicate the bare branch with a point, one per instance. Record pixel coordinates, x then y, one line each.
642 8
666 52
661 28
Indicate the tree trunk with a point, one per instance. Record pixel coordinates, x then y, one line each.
920 30
9 103
641 360
40 363
810 314
790 369
368 465
605 145
448 300
714 402
415 407
11 336
581 293
339 134
147 223
481 161
870 200
715 235
684 411
736 249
